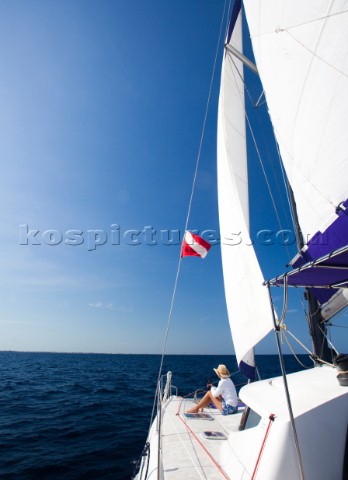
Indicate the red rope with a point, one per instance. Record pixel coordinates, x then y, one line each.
206 451
200 443
271 419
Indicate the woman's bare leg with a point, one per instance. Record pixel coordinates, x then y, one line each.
208 398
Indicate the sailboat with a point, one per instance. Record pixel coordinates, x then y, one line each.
294 426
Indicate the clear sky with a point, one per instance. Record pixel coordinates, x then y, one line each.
102 106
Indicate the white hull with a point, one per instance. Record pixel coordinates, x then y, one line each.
320 407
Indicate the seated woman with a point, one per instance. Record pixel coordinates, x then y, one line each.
224 396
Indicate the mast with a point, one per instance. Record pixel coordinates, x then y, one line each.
317 327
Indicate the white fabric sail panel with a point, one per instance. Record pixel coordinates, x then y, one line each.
301 51
247 299
234 117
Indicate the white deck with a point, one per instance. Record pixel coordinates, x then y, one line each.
198 457
320 407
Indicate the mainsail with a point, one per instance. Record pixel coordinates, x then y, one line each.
247 299
304 70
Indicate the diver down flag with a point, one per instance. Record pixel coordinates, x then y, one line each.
194 246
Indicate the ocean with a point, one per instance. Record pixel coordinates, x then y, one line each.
86 416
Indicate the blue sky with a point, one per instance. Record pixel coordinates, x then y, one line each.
102 110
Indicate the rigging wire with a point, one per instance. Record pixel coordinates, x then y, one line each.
286 185
258 153
267 180
285 302
305 311
328 339
189 210
325 335
275 177
235 69
286 387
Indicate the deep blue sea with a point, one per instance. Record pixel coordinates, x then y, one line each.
86 416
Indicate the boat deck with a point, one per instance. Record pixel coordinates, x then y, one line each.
265 446
186 453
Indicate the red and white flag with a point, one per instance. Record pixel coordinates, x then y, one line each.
194 246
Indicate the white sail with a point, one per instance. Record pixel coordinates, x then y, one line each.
247 299
301 53
302 65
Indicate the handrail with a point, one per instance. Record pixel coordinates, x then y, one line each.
163 393
167 388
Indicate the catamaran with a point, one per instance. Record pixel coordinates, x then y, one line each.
294 426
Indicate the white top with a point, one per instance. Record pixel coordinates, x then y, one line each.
227 390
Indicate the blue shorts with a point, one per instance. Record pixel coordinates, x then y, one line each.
228 409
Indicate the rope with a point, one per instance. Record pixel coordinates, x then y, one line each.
199 442
290 347
284 329
188 214
187 450
271 420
